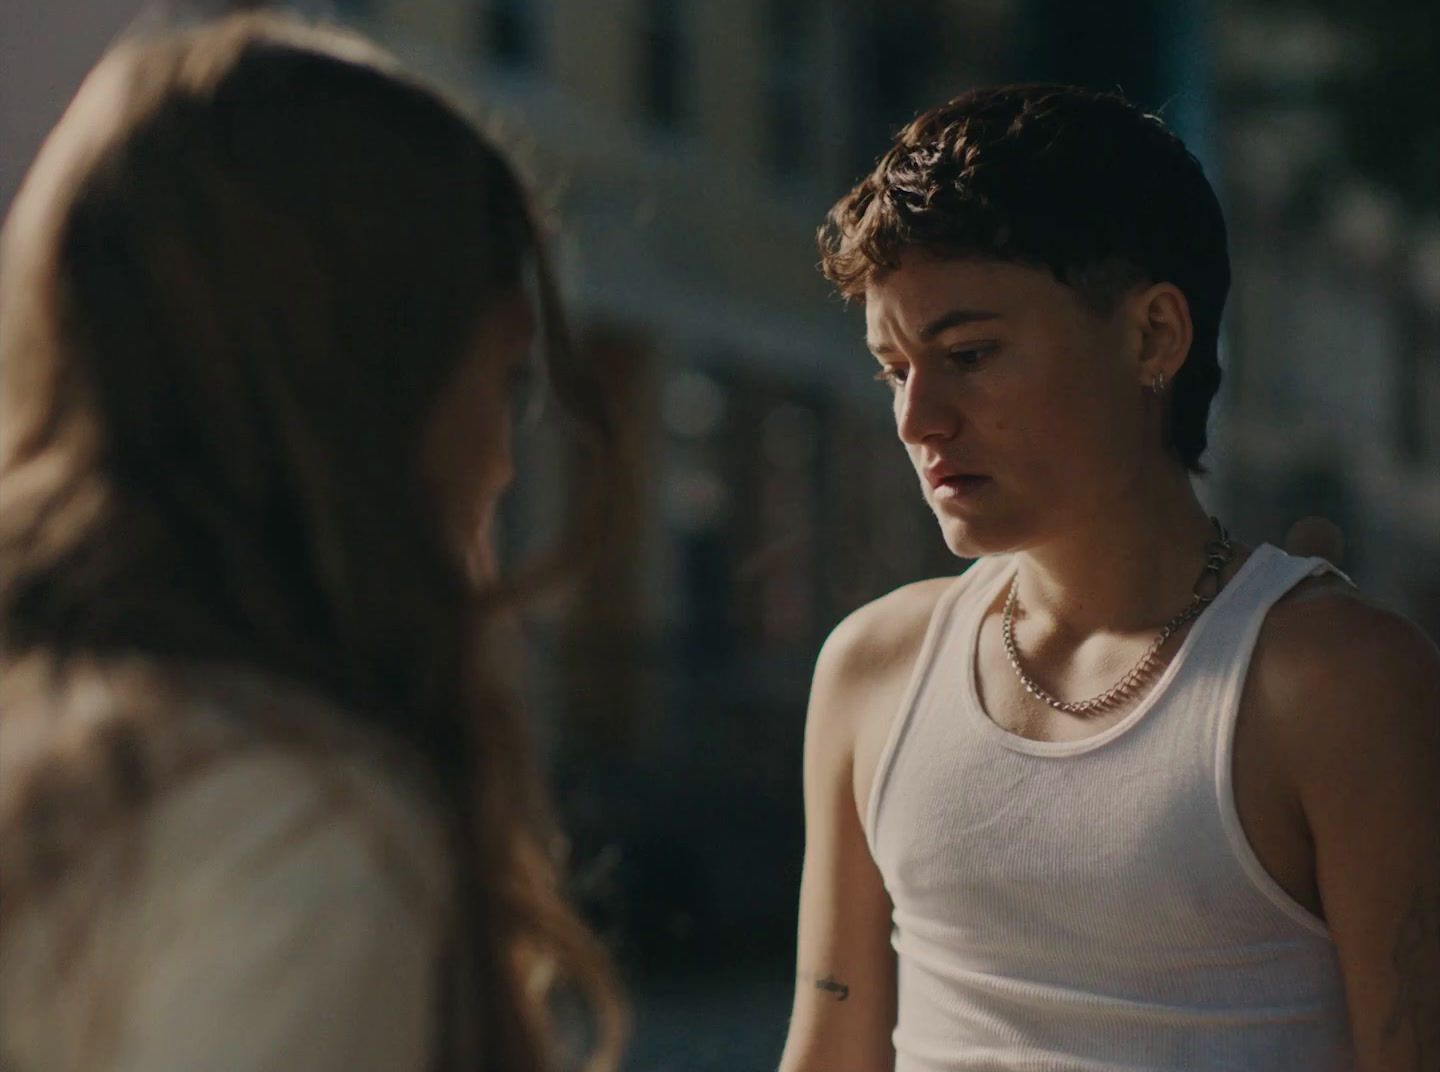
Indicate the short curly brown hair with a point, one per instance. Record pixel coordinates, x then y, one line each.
1081 183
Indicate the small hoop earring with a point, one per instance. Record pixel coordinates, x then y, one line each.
1157 385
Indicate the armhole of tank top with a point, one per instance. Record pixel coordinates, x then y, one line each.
939 618
1235 836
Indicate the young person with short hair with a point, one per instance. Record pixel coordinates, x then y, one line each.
1126 793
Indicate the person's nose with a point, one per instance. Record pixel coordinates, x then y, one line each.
924 410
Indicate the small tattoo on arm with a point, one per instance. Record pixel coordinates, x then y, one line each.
1416 959
840 990
829 984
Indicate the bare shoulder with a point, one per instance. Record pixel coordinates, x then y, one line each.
860 680
883 635
866 660
1333 671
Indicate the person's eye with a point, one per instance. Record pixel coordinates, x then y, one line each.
969 356
892 376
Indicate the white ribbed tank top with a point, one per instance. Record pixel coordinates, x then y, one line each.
1089 906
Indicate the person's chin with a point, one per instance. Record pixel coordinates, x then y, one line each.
975 536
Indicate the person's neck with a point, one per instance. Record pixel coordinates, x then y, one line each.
1131 566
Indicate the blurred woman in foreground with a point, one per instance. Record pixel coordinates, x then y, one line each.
263 803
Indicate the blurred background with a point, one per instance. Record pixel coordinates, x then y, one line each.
687 150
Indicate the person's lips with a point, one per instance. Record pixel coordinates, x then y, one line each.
938 477
949 484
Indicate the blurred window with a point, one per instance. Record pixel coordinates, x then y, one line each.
792 79
510 31
893 57
665 56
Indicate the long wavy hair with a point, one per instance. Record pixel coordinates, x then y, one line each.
235 284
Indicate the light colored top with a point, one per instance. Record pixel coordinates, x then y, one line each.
280 913
1094 905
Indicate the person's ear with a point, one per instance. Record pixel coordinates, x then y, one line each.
1316 537
1161 316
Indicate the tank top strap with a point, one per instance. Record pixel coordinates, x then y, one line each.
938 666
1209 692
1230 628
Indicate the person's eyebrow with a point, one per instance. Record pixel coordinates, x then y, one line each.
953 319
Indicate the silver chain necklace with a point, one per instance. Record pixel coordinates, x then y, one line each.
1218 553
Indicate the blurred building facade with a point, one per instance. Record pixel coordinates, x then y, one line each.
690 150
1332 403
45 50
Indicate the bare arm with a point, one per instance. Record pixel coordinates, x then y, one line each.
1362 693
845 1002
844 1007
